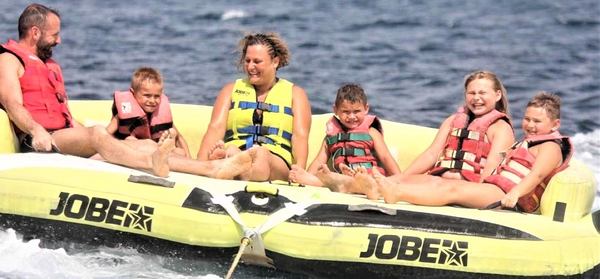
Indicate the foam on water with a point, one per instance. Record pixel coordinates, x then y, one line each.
25 259
231 14
587 149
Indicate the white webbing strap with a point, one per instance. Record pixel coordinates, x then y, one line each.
254 252
290 210
227 203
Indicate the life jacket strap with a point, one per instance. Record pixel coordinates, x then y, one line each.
253 139
259 130
465 134
262 106
349 151
509 171
348 137
460 155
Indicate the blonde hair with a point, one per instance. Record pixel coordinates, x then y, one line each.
274 43
550 102
502 104
145 74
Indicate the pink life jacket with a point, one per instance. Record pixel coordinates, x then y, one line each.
466 147
353 147
133 120
518 163
43 89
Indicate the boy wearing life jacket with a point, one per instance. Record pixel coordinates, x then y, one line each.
520 179
143 111
354 138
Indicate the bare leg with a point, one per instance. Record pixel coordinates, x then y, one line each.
85 142
299 175
436 191
147 146
223 169
226 168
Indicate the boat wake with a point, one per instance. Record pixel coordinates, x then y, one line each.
26 259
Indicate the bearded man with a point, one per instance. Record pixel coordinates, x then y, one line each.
32 92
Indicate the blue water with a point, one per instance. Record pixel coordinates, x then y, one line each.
411 57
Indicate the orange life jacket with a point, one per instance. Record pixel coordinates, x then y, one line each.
43 89
133 120
518 163
353 147
466 147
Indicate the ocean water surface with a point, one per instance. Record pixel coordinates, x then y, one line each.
411 57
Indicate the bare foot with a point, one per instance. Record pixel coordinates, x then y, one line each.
217 151
299 175
365 184
346 170
334 181
385 186
229 168
166 144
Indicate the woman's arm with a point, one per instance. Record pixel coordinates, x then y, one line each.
302 122
218 122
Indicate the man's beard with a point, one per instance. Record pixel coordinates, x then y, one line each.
44 50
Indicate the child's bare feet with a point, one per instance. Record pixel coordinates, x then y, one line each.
365 184
299 175
166 144
334 181
385 187
346 170
217 151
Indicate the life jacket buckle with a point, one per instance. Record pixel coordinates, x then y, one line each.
343 137
265 106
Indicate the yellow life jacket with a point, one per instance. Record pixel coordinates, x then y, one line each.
274 132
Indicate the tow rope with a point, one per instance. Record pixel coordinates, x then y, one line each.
252 249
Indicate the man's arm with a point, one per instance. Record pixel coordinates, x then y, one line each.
11 99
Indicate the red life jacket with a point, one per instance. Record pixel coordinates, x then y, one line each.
43 89
466 147
133 120
353 147
518 163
